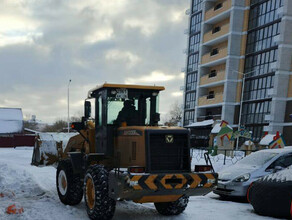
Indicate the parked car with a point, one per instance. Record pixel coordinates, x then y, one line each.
236 179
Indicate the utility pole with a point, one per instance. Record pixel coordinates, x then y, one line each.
240 110
68 119
241 100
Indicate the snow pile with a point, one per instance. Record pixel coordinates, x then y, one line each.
46 150
51 137
11 120
282 176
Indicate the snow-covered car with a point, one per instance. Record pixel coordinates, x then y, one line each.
271 195
236 179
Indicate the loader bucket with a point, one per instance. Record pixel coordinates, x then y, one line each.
49 147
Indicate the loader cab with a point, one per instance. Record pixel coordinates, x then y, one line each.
121 106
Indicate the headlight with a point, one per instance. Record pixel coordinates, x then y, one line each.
243 178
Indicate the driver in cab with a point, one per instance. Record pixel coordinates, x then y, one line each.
128 114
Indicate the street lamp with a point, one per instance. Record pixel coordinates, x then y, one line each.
68 119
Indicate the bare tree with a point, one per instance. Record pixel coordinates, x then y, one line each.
58 126
174 116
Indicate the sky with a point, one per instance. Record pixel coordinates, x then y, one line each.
44 44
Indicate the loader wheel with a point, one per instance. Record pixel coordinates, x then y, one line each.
69 186
99 205
172 208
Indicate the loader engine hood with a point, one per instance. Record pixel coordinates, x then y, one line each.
166 148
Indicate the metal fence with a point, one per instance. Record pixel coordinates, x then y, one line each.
231 156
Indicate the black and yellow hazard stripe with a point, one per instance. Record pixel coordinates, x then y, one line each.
172 181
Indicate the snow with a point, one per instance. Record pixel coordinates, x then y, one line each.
11 120
266 140
201 123
49 140
247 143
11 114
217 128
282 176
35 191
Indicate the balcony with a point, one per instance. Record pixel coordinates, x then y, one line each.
204 80
213 12
209 36
222 53
206 100
208 117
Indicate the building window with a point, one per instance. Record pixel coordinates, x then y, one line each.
211 95
213 73
260 63
190 100
216 29
191 81
218 6
254 113
214 52
195 43
193 62
197 5
264 12
196 21
262 38
258 88
189 117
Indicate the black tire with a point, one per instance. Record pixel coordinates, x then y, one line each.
96 186
72 193
271 198
172 208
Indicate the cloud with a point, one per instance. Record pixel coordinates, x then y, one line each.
43 44
155 76
124 56
99 35
177 94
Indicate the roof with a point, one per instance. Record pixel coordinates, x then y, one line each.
216 129
126 86
266 140
11 120
201 123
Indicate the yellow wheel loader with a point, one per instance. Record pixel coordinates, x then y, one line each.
120 152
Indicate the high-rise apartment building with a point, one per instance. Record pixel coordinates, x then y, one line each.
239 65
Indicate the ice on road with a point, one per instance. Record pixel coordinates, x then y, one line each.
35 191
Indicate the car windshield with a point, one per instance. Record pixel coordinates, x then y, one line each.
257 159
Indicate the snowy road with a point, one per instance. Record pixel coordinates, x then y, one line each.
35 191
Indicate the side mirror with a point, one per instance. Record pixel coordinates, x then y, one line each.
277 169
87 109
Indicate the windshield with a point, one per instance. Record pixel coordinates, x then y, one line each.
257 159
131 106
